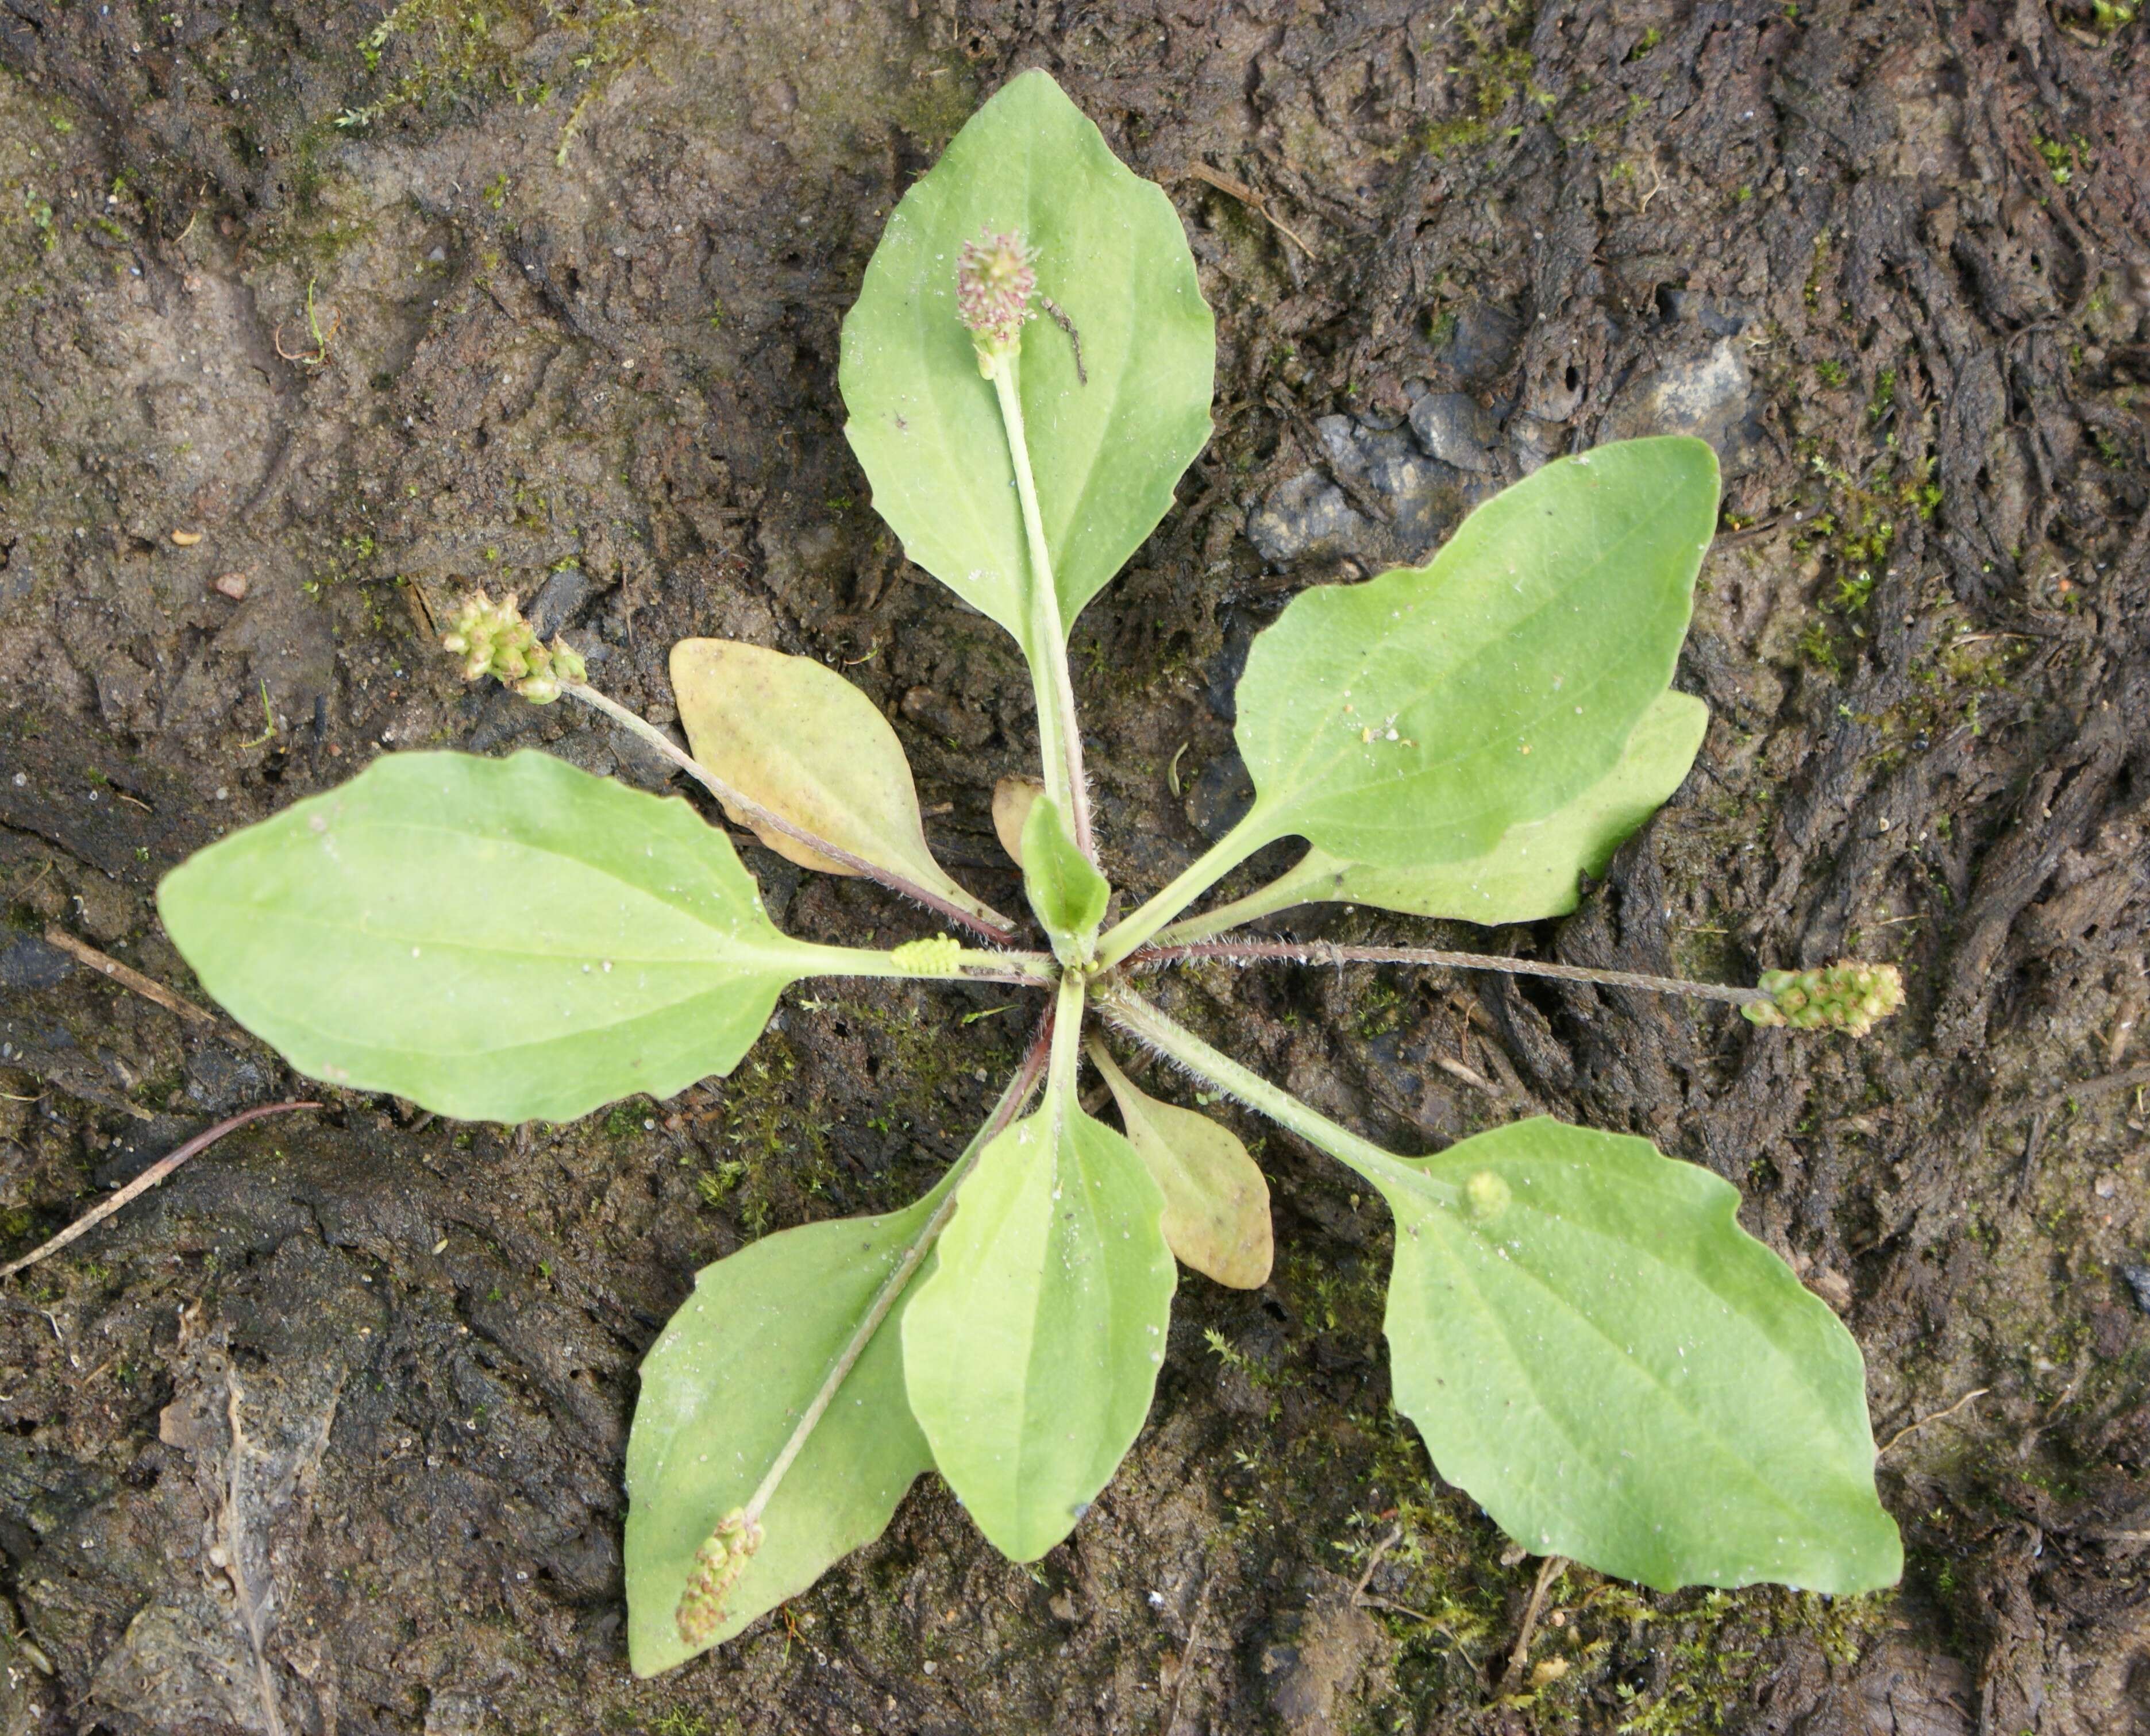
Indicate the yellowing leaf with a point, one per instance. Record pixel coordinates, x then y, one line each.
797 738
1216 1203
1012 800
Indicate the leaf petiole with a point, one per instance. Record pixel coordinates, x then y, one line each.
1174 1040
1060 737
1204 872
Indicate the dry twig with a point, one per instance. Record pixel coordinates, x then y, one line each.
1247 196
126 975
1549 1570
143 1183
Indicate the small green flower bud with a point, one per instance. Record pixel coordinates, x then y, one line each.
717 1564
1846 996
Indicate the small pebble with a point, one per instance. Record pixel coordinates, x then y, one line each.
231 584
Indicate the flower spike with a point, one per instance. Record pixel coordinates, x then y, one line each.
1846 996
492 638
994 280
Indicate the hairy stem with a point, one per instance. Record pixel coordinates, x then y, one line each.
1204 872
1010 1106
1146 1024
1323 953
1060 739
992 925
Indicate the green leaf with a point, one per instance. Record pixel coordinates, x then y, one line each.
498 940
1416 718
1216 1203
1617 1372
1111 254
1031 1348
1532 872
793 735
1066 890
723 1389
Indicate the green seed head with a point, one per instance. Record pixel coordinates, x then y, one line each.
717 1564
492 638
1846 996
942 955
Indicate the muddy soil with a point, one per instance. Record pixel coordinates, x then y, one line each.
315 314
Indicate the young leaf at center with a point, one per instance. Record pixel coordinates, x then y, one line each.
1031 1348
1065 889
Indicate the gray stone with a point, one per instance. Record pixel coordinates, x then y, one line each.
1451 427
222 1080
1707 396
1306 515
559 600
1481 344
27 963
1532 442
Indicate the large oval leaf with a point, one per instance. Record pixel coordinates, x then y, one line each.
1031 1348
1112 255
500 940
793 735
1594 1348
1216 1201
1529 875
1416 718
722 1390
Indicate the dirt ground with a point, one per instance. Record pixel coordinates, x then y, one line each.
326 1434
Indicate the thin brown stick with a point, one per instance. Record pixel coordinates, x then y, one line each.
1913 1428
126 975
751 812
1323 952
1247 196
1549 1570
1373 1561
2103 1086
143 1183
1187 1659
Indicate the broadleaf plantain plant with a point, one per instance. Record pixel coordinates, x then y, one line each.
1583 1336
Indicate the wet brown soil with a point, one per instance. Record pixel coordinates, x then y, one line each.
326 1434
